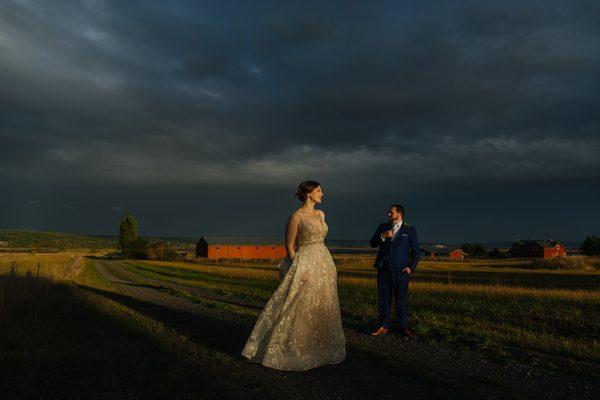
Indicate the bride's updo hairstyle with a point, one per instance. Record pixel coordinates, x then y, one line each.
305 188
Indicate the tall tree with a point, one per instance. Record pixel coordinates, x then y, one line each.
128 234
590 246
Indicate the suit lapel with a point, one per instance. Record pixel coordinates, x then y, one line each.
403 229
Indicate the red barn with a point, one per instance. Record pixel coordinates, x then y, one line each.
241 248
458 254
538 249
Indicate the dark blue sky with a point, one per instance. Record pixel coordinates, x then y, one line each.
482 118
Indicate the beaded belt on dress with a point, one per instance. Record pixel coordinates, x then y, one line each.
313 242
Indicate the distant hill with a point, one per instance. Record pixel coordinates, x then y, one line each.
22 238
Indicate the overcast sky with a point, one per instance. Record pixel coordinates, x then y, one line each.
482 118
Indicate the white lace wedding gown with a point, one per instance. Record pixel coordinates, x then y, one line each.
301 325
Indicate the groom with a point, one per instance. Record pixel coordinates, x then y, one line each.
396 260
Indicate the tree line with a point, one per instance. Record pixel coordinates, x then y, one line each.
589 247
132 245
23 238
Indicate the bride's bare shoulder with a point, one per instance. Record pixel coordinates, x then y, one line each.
320 213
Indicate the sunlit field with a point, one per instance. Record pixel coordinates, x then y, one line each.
58 266
495 307
85 305
25 276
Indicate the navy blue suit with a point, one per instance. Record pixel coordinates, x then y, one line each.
393 256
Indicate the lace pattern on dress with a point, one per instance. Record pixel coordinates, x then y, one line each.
301 326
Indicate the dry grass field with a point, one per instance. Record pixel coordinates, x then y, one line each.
26 276
156 329
494 307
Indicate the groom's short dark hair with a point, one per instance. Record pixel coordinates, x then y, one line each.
399 208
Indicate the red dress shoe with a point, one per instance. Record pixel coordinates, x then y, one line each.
407 332
380 331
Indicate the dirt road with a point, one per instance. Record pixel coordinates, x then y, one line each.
389 367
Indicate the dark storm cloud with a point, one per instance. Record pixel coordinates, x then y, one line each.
249 94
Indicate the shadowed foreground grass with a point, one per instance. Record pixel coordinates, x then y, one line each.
84 342
89 340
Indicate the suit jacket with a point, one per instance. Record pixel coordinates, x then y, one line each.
401 252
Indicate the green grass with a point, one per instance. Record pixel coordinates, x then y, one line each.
517 311
249 289
76 335
553 325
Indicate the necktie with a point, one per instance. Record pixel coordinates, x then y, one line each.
395 230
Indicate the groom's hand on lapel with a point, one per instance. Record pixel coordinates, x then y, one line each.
407 270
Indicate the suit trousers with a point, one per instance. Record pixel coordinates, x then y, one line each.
392 284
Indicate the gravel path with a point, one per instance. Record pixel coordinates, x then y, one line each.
386 367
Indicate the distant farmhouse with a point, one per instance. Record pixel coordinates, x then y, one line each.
434 250
537 249
214 247
442 251
458 254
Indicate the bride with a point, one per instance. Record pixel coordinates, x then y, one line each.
301 326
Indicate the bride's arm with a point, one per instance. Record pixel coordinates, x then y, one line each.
291 229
